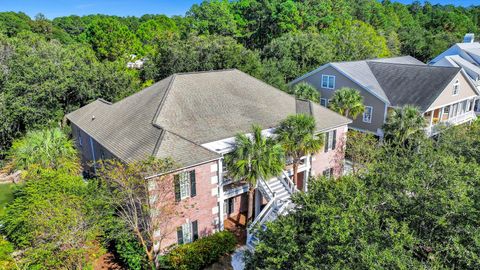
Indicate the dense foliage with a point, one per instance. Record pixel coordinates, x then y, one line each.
201 253
52 221
51 67
48 148
413 208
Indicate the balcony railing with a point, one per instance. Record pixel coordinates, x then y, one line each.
456 120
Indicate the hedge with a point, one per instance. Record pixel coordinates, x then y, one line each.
201 253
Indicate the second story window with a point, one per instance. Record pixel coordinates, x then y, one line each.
367 114
456 88
330 140
328 81
185 185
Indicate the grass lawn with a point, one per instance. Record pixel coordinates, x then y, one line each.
6 196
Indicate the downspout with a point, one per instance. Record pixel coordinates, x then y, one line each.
93 155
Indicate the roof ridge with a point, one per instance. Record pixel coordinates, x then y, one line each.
205 71
410 64
160 105
159 142
376 59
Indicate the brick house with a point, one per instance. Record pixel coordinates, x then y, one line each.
193 118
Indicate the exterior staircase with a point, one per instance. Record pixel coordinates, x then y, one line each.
277 191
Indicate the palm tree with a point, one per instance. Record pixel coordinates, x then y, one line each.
256 157
296 135
305 91
347 102
48 148
403 124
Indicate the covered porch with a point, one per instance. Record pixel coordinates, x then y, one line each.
449 115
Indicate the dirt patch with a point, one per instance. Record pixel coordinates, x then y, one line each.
108 261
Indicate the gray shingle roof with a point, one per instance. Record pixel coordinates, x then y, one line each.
173 117
399 80
360 71
417 85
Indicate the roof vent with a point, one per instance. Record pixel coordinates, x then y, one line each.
469 38
93 117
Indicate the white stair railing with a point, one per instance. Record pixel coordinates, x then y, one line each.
288 183
266 189
267 210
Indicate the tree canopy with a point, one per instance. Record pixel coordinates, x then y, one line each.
412 208
51 67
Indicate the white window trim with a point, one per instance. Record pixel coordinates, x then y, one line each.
328 76
185 189
371 115
187 232
330 140
456 88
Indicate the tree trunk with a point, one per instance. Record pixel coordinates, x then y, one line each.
295 169
251 192
148 252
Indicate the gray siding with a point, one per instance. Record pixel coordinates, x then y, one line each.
85 144
342 81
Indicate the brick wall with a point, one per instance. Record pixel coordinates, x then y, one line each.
333 158
202 208
240 204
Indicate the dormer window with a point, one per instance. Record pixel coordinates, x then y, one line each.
456 88
328 81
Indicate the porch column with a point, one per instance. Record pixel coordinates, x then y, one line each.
440 115
258 202
306 174
221 199
431 117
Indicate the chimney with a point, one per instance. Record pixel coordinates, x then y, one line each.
469 38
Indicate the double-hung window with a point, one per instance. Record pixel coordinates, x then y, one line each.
185 185
330 140
187 233
456 88
328 172
328 81
367 114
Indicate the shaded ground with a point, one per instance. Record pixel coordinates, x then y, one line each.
108 261
237 225
6 196
224 263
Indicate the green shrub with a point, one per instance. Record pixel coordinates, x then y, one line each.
6 250
201 253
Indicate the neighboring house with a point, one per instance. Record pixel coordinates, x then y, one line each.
465 55
193 118
443 94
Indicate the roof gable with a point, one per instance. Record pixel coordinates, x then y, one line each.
417 85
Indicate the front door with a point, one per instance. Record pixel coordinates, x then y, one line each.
300 180
230 205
